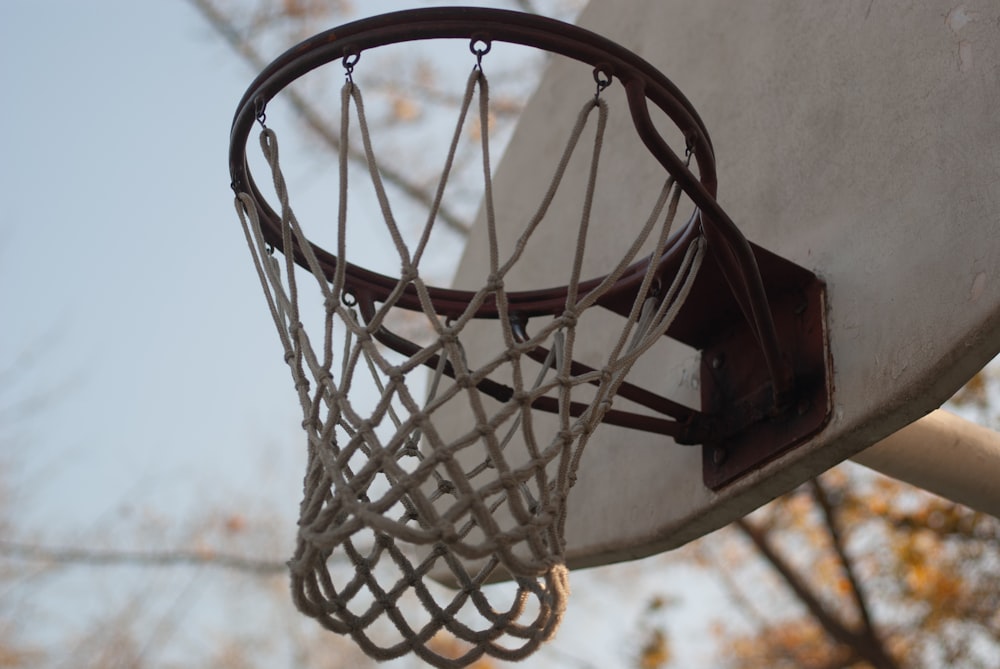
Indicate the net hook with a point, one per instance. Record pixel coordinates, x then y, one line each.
351 58
602 78
480 51
260 108
518 325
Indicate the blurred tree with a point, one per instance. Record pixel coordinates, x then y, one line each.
254 28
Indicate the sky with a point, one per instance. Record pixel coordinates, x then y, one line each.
121 255
132 311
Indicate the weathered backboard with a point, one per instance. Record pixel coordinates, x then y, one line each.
858 139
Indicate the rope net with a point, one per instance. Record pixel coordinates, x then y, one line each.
416 477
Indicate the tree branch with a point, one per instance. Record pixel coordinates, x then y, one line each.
752 614
862 644
869 631
118 558
823 500
839 632
315 121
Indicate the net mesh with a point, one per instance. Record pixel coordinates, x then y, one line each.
400 494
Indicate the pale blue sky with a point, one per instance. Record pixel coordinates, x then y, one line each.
120 248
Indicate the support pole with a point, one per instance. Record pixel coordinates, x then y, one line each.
943 454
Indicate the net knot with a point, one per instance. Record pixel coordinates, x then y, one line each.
494 283
509 481
408 274
541 517
325 381
448 534
568 318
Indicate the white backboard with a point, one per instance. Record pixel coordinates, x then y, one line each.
858 139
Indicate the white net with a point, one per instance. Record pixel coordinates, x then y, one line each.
397 497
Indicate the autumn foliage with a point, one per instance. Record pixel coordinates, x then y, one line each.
864 572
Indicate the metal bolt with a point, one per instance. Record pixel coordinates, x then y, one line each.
718 361
718 455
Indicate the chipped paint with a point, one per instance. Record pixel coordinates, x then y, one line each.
958 18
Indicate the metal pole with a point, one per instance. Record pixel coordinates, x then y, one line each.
943 454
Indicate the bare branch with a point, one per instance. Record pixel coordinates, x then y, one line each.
823 500
834 628
859 643
315 122
119 558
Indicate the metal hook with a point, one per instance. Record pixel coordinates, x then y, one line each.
259 108
480 51
688 150
602 78
518 329
351 58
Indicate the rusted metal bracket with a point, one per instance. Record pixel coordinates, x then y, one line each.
736 387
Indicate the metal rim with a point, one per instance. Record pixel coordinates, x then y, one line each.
643 83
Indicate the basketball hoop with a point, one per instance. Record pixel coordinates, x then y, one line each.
400 496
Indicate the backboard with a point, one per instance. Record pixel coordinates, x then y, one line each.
859 140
